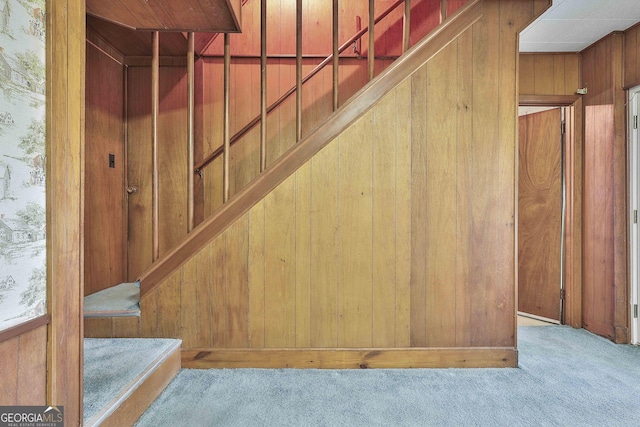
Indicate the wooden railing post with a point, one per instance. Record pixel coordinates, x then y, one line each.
372 38
406 26
336 57
155 100
225 127
190 130
443 10
263 85
298 70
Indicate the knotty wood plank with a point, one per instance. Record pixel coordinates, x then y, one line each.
403 215
498 357
355 241
441 201
237 283
464 194
303 256
280 262
257 276
325 257
418 207
384 221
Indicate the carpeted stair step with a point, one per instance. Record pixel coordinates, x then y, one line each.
123 376
117 301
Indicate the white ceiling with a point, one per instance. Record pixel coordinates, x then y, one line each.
572 25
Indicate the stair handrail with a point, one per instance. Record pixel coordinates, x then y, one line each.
299 154
211 157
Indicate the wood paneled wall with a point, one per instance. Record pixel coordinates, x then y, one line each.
66 46
172 163
549 74
399 233
316 96
24 369
632 57
105 250
605 286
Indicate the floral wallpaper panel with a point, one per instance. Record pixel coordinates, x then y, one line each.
22 161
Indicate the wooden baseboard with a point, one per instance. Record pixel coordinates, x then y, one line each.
204 358
132 404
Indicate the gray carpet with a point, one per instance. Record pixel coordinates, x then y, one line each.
129 358
566 377
120 300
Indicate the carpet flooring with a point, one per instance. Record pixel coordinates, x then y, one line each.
566 377
129 358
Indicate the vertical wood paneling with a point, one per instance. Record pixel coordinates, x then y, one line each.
203 285
103 204
172 157
355 242
324 247
24 368
237 286
441 208
398 233
384 221
257 278
403 215
511 14
303 256
169 307
485 170
188 298
139 170
280 262
219 319
605 304
549 74
418 207
632 57
464 195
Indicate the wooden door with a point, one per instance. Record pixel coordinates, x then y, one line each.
540 214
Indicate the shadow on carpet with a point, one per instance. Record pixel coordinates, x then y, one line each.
566 377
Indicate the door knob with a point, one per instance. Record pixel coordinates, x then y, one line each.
131 189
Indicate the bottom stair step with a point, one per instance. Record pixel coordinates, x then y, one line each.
123 376
117 301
